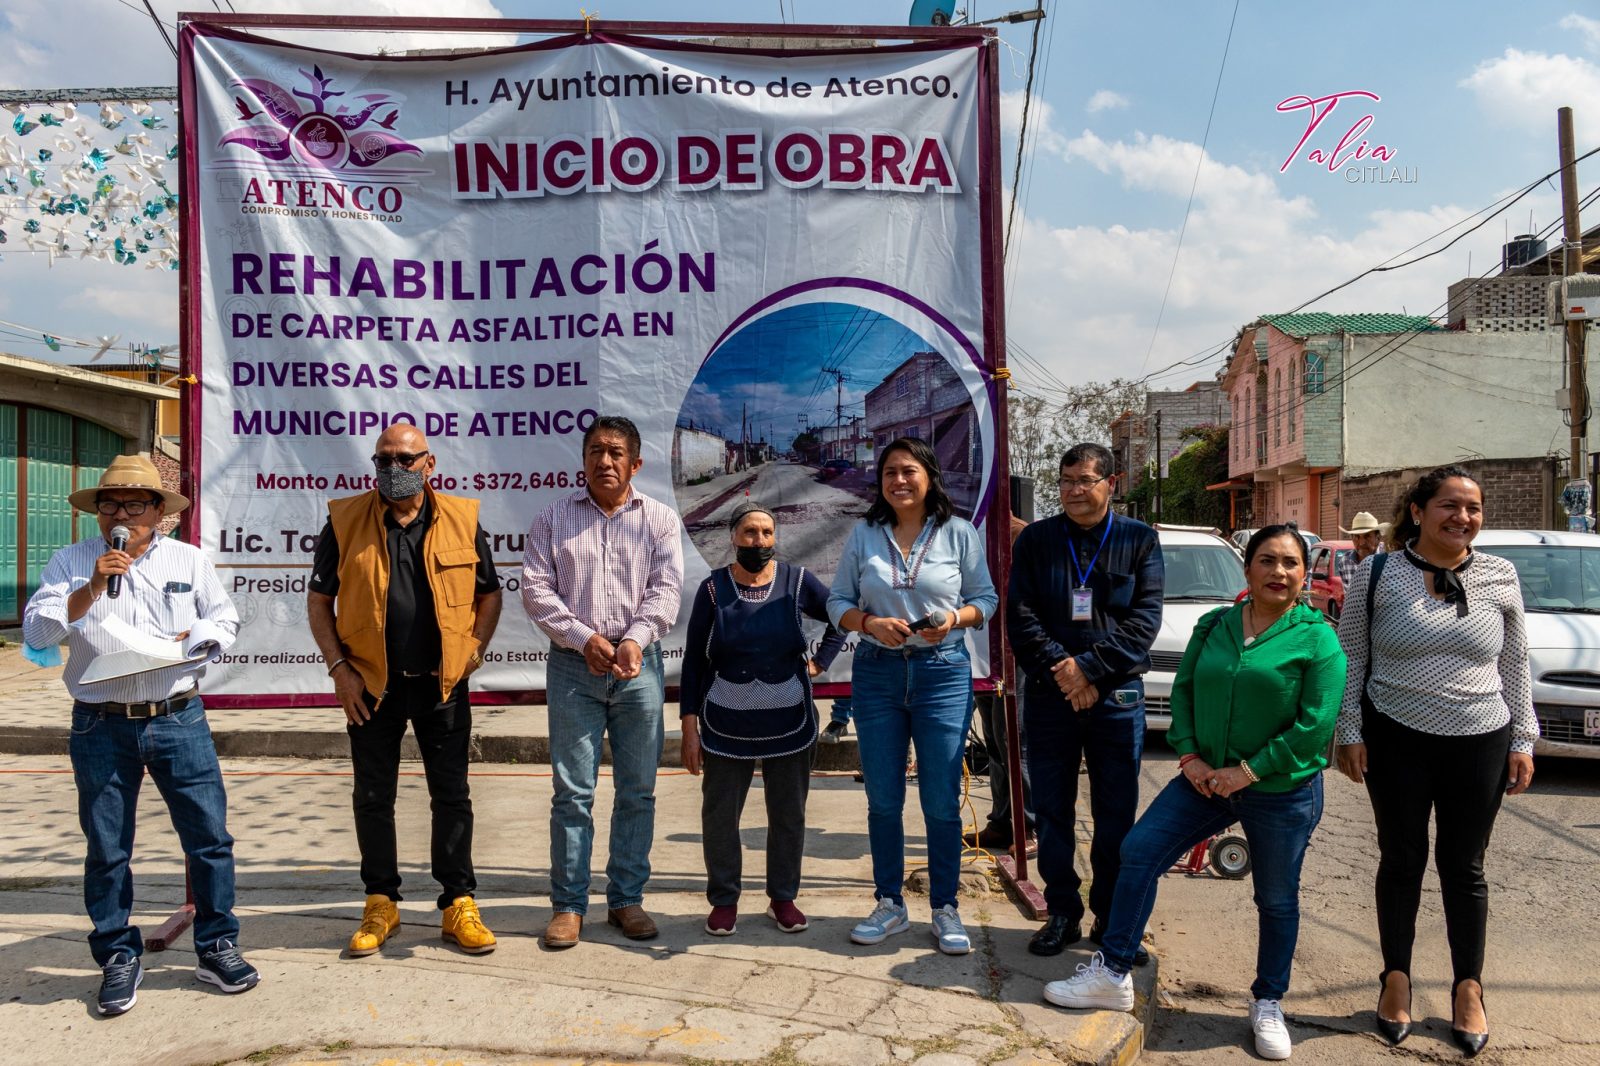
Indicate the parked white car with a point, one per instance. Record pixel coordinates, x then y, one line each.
1560 578
1203 573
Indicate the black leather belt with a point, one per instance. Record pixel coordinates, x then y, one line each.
149 709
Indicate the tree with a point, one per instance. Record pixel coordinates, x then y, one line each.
1042 430
1185 500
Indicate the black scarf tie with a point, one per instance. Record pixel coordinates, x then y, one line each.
1446 580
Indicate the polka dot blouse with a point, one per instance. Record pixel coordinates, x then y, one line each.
1432 670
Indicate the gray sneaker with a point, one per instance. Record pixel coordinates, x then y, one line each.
833 732
886 919
949 932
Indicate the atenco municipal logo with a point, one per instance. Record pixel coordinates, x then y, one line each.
316 157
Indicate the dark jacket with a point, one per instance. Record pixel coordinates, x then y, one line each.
1113 647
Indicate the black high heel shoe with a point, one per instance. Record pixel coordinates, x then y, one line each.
1469 1043
1392 1031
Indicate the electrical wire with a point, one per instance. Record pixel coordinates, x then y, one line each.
1194 184
160 28
1022 136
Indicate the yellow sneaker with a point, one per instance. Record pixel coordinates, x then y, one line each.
463 925
378 922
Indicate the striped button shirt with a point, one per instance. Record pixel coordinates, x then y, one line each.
170 589
620 575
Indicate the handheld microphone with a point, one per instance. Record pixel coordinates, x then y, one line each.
932 620
119 541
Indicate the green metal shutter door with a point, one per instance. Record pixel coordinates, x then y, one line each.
10 602
97 446
49 483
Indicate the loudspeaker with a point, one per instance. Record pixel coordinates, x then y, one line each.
1022 497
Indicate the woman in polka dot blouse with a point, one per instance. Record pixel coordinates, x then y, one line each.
1437 718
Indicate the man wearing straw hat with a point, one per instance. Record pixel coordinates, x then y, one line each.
1367 534
151 721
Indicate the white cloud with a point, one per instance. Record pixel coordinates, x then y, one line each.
1587 28
1041 123
1105 100
1524 89
1084 298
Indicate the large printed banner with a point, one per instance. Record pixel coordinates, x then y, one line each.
774 263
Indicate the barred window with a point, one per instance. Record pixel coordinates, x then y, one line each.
1316 364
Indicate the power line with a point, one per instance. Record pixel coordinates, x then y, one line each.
1022 136
1183 228
162 29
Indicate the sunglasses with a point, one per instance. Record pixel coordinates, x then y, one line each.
384 462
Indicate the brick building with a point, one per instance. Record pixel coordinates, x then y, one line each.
1331 414
1133 434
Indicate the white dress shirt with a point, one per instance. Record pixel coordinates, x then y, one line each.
171 589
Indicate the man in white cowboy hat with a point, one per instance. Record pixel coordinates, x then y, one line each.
152 721
1367 534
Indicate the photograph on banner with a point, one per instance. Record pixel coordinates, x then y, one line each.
499 247
792 410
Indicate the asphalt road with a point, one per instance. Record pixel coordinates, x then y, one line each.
1542 980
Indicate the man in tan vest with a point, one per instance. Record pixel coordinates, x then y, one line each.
403 600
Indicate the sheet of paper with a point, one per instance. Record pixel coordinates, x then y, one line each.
140 653
115 664
144 643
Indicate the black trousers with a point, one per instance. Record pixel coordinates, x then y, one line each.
992 715
1460 780
786 783
444 734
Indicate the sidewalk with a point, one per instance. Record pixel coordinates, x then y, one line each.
34 720
759 996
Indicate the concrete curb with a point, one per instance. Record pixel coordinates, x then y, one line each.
247 743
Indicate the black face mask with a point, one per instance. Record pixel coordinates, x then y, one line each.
754 560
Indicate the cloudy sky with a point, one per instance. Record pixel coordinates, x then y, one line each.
1467 94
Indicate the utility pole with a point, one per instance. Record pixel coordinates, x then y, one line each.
1578 493
1158 466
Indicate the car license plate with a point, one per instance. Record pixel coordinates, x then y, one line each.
1591 721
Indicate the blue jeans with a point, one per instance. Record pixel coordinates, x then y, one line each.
584 711
110 755
1109 737
1278 826
920 696
841 711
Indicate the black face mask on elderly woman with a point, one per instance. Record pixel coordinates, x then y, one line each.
754 559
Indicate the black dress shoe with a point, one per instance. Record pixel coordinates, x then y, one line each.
1097 933
1392 1031
1058 932
991 838
1469 1043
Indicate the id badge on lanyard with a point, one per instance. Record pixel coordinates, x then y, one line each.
1082 594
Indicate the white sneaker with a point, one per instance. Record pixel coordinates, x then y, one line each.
886 919
948 930
1272 1035
1093 986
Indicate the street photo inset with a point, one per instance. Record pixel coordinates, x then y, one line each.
791 412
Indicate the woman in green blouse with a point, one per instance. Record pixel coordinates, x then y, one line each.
1253 707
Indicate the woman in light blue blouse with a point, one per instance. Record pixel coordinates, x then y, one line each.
911 573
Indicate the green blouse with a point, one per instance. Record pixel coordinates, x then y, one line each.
1272 703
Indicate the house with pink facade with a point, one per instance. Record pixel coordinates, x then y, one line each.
1285 387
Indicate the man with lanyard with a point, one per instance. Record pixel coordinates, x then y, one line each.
151 721
1084 607
602 577
1366 533
403 599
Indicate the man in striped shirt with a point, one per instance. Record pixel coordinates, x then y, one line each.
602 577
153 720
